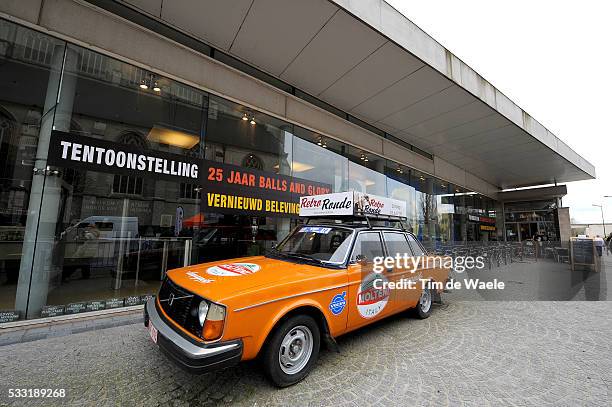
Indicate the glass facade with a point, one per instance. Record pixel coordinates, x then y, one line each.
537 220
75 240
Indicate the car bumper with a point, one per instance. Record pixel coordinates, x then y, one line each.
191 356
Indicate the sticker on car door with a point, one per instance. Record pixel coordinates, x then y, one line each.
372 295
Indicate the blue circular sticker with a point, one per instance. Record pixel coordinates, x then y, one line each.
337 304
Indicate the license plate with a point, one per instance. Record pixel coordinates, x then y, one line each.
152 332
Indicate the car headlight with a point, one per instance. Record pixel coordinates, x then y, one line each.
215 320
202 311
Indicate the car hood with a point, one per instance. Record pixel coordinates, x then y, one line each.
220 281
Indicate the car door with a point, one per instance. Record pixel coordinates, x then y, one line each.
366 302
403 270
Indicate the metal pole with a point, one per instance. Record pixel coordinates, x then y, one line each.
603 222
164 260
138 261
187 253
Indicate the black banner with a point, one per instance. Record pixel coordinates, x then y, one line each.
87 153
226 188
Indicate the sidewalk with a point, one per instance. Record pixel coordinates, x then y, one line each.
49 328
542 280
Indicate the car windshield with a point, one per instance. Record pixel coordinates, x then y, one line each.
326 244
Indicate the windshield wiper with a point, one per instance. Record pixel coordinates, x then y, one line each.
303 257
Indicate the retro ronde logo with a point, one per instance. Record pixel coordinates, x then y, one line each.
371 300
233 269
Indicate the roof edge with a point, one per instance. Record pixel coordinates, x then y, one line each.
394 25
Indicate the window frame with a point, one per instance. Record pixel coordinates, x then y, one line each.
418 243
382 242
401 233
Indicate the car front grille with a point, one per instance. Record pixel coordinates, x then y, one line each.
181 306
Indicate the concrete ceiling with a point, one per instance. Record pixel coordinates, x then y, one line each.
367 59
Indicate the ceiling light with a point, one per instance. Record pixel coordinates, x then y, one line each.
245 117
156 87
301 167
143 84
324 145
253 120
366 159
320 142
422 178
172 137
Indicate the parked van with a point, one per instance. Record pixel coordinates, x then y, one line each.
92 242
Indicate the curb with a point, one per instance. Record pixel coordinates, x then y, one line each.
46 328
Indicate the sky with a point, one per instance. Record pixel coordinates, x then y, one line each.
553 59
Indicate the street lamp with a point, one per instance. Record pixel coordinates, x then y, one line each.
603 222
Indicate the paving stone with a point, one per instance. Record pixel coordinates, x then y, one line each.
467 353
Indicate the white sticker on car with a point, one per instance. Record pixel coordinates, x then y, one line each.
193 275
233 269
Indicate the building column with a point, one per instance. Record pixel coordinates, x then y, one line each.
37 269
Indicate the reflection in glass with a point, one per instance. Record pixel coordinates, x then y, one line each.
239 136
314 163
111 235
30 63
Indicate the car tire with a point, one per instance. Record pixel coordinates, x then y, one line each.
292 350
423 307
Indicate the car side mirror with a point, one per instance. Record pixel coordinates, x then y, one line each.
361 259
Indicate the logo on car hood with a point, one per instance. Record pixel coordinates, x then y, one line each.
233 269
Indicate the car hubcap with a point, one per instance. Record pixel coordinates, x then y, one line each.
425 300
295 350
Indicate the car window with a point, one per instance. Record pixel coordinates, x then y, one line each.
369 245
415 246
104 226
397 244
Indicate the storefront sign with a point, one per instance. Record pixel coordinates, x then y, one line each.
9 316
487 228
145 298
226 188
231 188
114 303
583 251
484 219
76 308
95 305
52 311
75 151
131 301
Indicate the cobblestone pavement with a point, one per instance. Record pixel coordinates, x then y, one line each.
466 353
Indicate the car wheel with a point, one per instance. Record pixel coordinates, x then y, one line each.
423 308
292 350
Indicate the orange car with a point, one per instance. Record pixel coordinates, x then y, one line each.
317 284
